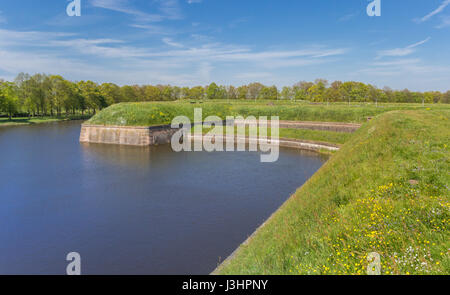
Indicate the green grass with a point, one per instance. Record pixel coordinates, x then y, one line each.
385 191
316 135
153 113
156 113
38 120
337 138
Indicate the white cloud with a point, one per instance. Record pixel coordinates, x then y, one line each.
154 29
122 6
445 22
434 12
36 38
169 42
407 73
399 52
168 9
199 62
404 67
398 62
116 60
347 17
194 1
267 55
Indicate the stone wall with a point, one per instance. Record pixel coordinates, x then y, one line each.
126 135
156 135
283 142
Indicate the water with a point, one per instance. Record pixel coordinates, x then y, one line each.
131 210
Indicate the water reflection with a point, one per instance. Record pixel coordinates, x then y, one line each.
132 210
127 156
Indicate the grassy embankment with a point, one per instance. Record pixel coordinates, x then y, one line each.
337 138
156 113
38 120
148 114
385 191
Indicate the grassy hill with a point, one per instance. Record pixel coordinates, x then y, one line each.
156 113
385 191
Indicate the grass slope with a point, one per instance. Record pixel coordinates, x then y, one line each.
156 113
316 135
385 191
332 137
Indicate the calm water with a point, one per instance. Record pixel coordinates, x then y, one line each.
130 210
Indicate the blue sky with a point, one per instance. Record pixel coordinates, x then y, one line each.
195 42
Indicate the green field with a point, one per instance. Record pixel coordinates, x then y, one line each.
385 191
156 113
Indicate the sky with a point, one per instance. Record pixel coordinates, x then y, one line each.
230 42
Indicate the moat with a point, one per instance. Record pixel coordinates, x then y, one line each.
132 210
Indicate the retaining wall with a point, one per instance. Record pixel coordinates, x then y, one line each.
126 135
156 135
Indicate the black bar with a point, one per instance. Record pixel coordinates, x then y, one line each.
232 285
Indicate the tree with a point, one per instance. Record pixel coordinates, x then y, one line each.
21 82
129 93
437 96
232 92
9 100
287 93
301 90
176 93
60 93
346 90
427 98
333 93
185 92
167 93
242 92
254 90
353 91
317 91
197 92
269 93
39 87
92 95
72 97
406 95
445 97
152 93
373 93
324 82
222 93
212 92
111 93
388 94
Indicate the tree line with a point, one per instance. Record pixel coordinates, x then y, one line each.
52 95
